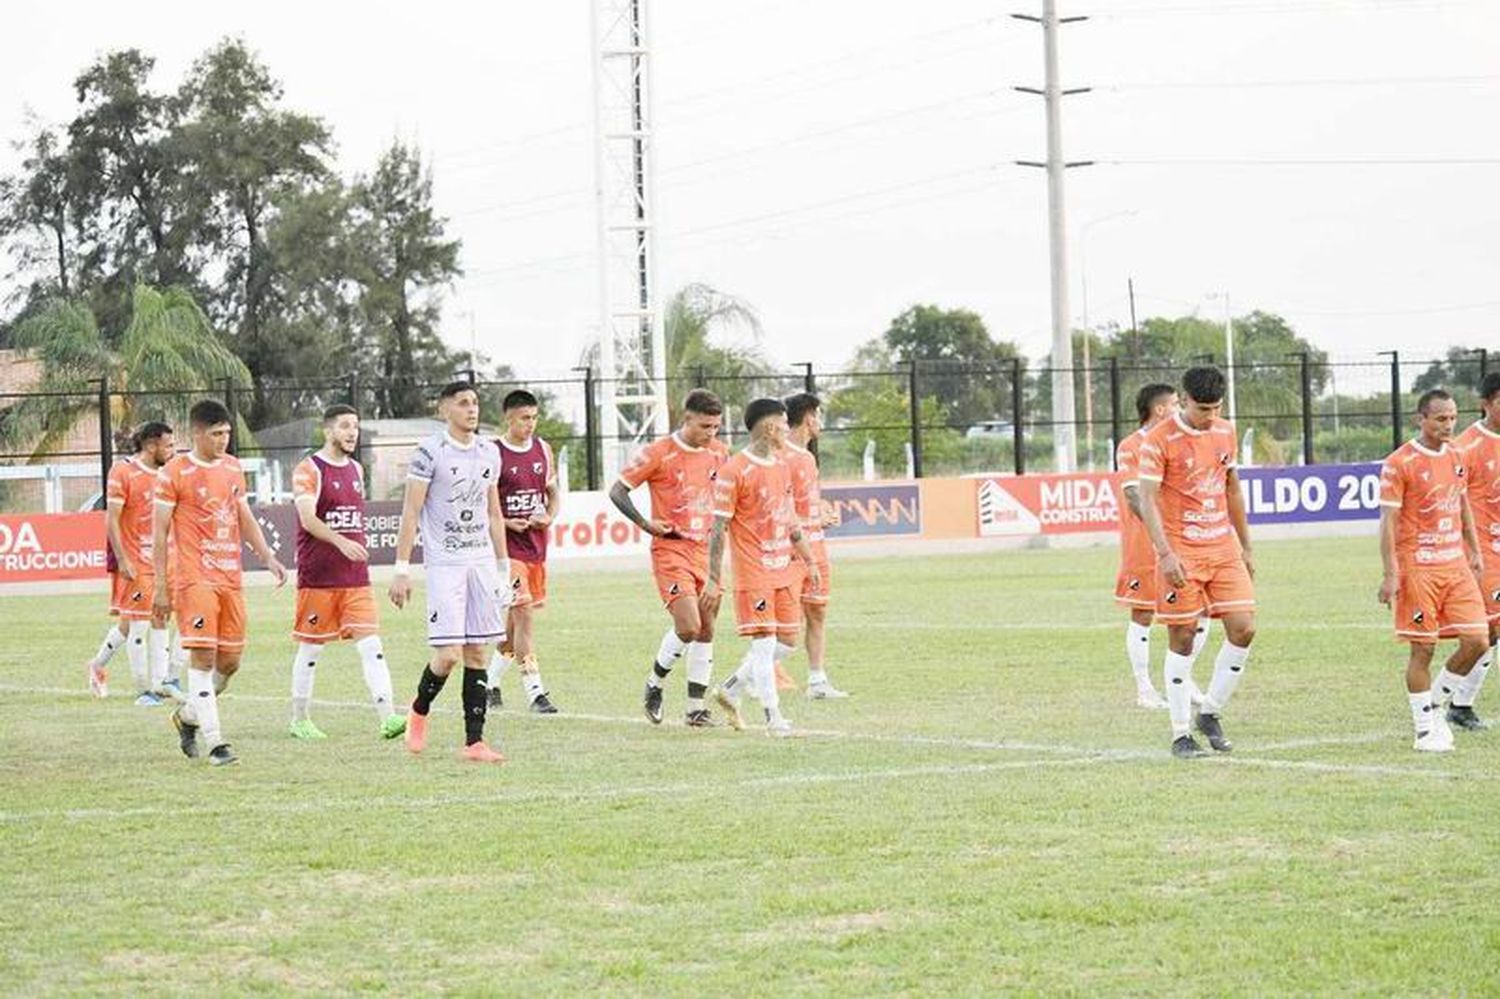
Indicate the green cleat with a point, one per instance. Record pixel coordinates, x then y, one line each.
393 727
305 729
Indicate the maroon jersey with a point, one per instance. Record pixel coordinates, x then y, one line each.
525 473
339 494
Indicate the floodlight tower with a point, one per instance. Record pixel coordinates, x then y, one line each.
632 341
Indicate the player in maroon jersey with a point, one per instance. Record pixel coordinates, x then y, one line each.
529 497
334 600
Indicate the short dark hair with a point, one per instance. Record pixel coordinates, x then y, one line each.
518 398
703 402
1204 384
209 413
1431 396
454 389
759 409
798 406
151 430
338 409
1145 399
1489 387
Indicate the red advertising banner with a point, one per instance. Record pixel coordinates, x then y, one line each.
51 546
1048 504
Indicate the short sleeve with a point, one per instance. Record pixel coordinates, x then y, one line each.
1127 461
642 467
305 480
423 464
551 464
166 488
1151 461
1392 484
114 487
726 491
1234 448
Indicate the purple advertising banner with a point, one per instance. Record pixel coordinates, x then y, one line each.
874 510
1311 494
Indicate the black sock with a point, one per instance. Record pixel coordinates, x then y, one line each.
661 672
427 690
476 697
696 690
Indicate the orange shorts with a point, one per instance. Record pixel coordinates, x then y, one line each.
762 611
1135 586
817 594
1213 589
131 598
1439 603
210 617
681 570
528 584
327 615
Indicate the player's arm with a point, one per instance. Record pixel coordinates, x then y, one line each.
1390 580
498 528
1171 566
553 496
114 531
804 552
250 528
307 516
1132 491
619 495
716 536
1471 537
406 539
161 526
1238 519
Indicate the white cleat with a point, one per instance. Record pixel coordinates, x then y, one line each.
1433 742
781 728
824 691
1147 697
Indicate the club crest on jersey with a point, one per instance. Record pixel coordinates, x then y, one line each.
466 515
537 467
515 584
1495 597
487 473
1223 457
135 597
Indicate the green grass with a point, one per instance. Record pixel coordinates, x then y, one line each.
994 815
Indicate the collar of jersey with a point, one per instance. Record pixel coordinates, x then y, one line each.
530 443
1416 442
677 439
1184 425
1486 430
329 461
204 464
462 447
794 447
763 462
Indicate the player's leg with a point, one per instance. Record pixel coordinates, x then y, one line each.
230 633
1462 614
447 592
524 619
504 656
315 624
755 617
678 586
114 638
476 703
1179 608
1468 691
700 663
1138 654
483 625
197 611
1229 669
158 656
137 655
358 621
1432 736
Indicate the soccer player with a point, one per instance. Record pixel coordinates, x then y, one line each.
529 497
680 470
1480 446
128 526
452 488
334 600
1195 516
1430 553
1135 585
755 508
201 502
804 414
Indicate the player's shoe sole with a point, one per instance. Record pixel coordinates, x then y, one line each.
1214 733
825 692
479 752
393 727
543 706
1464 717
651 704
731 710
416 732
222 756
187 735
1186 748
305 729
1432 742
700 719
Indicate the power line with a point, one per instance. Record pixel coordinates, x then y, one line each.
1303 162
1371 81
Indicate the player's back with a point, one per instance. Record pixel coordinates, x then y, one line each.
455 520
1427 489
756 494
1192 468
204 498
807 491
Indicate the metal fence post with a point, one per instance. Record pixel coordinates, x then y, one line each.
915 393
234 416
1396 428
1017 412
1114 412
1307 413
590 430
809 380
106 436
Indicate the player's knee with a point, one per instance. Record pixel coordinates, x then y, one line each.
1471 647
227 665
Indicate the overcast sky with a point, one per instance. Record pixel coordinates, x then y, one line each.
835 161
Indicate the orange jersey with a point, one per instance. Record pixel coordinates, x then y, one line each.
130 487
807 492
755 496
1135 542
681 480
204 498
1480 447
1192 468
1427 489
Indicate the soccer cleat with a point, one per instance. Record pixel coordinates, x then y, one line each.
652 704
416 732
784 679
494 698
172 689
147 700
222 756
701 718
781 728
542 706
478 752
1210 727
98 681
1432 741
187 734
303 728
393 727
1463 717
1185 748
1147 697
731 708
825 691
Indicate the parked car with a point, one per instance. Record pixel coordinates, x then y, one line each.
991 428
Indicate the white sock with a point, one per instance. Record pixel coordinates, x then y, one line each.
177 661
762 660
302 679
816 677
667 655
221 680
1138 651
700 670
1200 638
1469 689
135 654
1448 684
740 680
531 679
499 663
156 656
1178 672
377 674
1229 668
113 639
1422 712
205 705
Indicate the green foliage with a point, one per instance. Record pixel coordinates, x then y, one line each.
1459 372
881 412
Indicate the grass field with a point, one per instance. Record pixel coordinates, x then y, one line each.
989 813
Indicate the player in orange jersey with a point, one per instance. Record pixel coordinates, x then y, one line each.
1195 516
128 526
755 509
1430 553
201 501
1135 585
680 471
1480 446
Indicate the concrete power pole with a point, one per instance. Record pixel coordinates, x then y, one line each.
1064 412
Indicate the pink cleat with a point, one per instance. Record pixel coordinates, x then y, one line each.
478 752
98 680
416 732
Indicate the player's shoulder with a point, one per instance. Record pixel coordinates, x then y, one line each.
718 447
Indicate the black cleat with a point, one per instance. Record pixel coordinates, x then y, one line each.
1184 748
702 718
652 704
187 734
1210 727
1463 716
222 756
542 706
493 698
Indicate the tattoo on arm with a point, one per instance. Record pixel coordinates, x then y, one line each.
716 550
619 495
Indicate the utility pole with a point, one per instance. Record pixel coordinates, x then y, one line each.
1064 413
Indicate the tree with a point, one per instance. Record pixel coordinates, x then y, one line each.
35 214
702 349
1458 371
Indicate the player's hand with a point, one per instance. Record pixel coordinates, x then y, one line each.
273 564
539 521
1249 562
713 591
708 603
518 525
814 575
830 518
350 549
127 568
161 604
1389 586
661 529
400 590
1171 569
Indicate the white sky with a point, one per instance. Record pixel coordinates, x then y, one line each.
834 161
